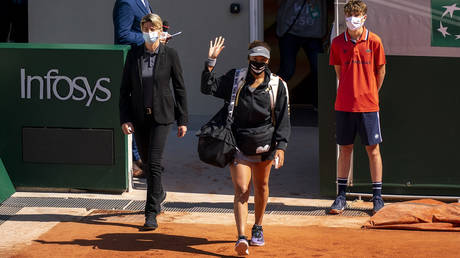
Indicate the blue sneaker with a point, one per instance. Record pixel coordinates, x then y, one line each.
378 203
339 205
257 237
242 246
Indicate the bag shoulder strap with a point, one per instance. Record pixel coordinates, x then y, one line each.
242 75
238 82
274 84
273 91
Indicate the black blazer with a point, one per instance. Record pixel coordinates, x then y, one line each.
166 108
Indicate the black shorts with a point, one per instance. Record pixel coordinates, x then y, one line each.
366 124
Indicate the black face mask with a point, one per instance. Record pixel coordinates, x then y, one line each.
257 67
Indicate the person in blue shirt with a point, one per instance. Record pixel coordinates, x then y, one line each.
127 15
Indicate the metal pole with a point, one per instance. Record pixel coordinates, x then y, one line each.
336 23
255 20
130 163
337 31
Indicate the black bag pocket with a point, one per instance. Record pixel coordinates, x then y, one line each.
254 141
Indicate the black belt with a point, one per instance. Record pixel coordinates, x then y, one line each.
148 111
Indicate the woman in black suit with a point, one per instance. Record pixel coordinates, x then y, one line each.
148 107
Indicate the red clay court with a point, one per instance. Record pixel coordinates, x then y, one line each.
102 233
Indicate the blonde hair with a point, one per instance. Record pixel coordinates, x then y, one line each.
355 7
154 19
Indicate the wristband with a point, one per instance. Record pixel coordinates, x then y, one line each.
212 61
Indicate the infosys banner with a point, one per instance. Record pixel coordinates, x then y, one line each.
63 88
60 125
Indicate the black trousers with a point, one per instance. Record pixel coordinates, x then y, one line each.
151 139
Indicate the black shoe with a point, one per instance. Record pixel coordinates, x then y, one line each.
378 203
150 222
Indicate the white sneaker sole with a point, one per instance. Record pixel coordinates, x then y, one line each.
256 244
242 248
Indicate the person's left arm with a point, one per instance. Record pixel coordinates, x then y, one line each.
380 75
380 63
283 123
180 107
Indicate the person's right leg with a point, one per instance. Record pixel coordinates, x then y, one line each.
346 128
344 161
343 168
241 178
289 46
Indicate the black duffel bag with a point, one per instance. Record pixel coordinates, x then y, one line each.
216 143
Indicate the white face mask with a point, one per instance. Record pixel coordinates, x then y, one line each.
150 37
354 23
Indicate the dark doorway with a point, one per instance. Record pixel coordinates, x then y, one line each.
14 21
303 94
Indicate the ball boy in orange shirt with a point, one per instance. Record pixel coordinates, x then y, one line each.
359 61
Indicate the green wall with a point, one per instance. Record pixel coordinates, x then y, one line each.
419 102
61 106
6 187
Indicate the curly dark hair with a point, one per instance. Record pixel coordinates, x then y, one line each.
355 7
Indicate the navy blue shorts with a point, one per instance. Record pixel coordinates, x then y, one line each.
366 124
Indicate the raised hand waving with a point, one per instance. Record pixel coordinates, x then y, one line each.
216 47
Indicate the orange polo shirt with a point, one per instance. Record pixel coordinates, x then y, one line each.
358 89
